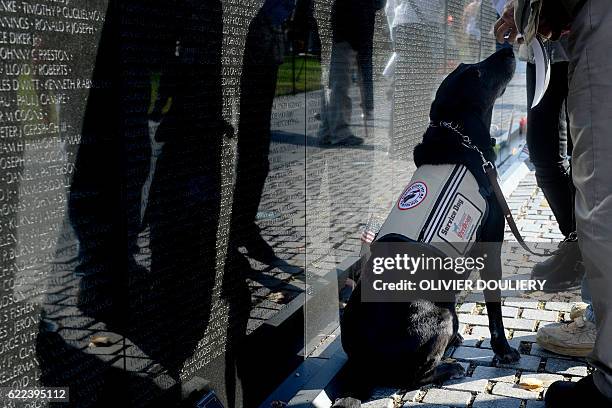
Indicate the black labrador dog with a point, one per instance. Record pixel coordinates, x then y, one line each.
402 343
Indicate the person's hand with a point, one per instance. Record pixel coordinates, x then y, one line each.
554 21
506 26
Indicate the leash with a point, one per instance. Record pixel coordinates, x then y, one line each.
491 173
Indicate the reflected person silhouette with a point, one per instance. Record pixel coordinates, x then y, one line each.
417 32
105 203
112 165
353 36
264 52
471 31
184 199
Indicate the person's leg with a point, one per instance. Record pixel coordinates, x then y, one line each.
589 106
366 72
338 109
547 143
547 140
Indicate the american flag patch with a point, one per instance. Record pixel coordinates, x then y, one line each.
368 236
371 229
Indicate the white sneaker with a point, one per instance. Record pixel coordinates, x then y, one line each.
577 310
575 339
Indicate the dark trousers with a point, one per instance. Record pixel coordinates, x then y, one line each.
549 144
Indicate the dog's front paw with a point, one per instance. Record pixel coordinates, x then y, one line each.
509 356
456 371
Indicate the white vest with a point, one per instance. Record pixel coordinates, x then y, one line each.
441 206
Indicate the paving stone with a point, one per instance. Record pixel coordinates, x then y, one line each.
537 350
512 390
494 374
467 308
569 367
519 324
495 401
381 403
520 302
559 306
531 227
447 397
507 311
478 320
477 334
547 315
521 336
410 395
546 378
467 384
529 363
474 355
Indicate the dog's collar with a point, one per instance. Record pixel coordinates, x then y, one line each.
453 126
466 141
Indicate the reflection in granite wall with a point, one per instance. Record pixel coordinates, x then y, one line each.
355 171
183 181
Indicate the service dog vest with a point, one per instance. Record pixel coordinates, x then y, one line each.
442 206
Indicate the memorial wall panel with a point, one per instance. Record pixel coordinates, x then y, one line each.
183 184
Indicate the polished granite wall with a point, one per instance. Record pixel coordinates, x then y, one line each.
169 181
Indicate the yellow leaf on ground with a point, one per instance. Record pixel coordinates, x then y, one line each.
531 384
100 341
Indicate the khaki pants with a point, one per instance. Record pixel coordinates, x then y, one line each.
590 110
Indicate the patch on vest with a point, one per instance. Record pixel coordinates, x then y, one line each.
460 223
412 196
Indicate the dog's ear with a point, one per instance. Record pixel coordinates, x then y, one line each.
457 93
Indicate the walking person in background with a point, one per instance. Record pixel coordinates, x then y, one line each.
417 33
353 37
264 53
471 30
589 106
